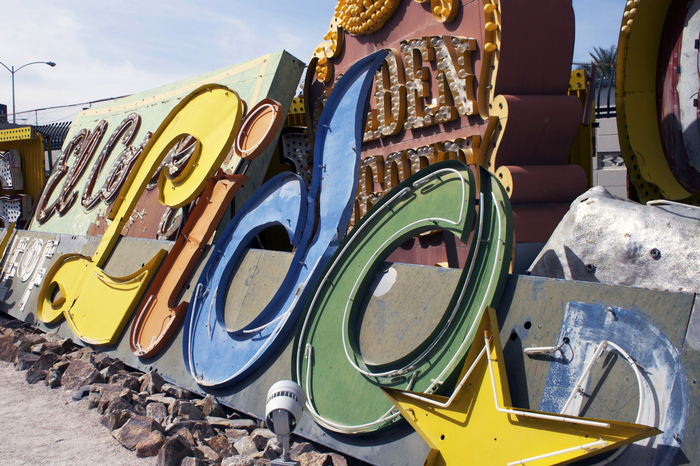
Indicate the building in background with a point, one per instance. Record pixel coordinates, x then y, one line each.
609 168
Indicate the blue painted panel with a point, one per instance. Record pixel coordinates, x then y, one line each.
665 386
206 341
216 357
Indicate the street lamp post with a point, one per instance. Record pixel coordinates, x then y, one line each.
12 70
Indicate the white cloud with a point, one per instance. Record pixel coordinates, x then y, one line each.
110 49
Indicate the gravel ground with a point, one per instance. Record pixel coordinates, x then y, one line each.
41 426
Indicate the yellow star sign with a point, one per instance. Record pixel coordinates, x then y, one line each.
475 426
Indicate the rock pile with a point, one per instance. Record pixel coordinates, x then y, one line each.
144 412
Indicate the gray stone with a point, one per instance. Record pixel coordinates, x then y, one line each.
116 419
192 461
234 434
151 445
157 411
8 351
241 461
24 361
210 406
53 378
81 353
78 374
172 452
176 392
135 430
161 398
246 424
126 380
209 454
338 460
300 448
245 447
152 382
260 438
78 394
186 436
35 374
192 426
187 410
220 444
28 340
38 348
313 458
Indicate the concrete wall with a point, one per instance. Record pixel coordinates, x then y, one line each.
609 169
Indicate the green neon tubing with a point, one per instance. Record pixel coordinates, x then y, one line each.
328 362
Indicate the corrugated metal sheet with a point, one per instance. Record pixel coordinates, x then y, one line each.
55 133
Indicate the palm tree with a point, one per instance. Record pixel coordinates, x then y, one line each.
605 60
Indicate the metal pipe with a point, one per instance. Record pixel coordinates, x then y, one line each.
13 71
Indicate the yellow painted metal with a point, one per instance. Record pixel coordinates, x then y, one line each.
296 116
31 151
9 233
17 134
96 305
582 149
635 99
471 427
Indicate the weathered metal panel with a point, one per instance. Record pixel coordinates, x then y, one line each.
274 75
531 313
123 260
609 240
662 387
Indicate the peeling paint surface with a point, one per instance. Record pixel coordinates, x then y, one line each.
665 398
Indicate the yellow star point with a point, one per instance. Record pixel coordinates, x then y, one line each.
476 425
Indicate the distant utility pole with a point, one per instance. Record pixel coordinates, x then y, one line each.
12 70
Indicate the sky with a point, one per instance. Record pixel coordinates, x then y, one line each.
109 49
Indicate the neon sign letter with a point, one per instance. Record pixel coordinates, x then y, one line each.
97 305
